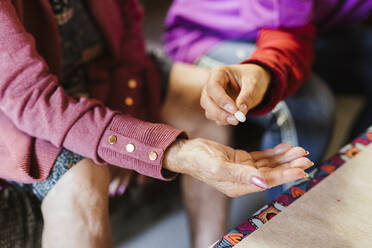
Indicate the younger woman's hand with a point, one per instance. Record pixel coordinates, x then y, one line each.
233 88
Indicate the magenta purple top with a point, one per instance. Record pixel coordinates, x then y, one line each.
194 26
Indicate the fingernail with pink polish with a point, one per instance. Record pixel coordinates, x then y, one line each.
122 189
111 193
229 108
259 182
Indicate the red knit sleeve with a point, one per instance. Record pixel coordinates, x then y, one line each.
288 54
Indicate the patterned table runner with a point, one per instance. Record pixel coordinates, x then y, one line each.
281 202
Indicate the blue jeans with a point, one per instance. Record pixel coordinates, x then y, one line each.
304 119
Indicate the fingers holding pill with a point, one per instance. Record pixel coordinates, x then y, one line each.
240 116
212 111
235 89
216 88
215 113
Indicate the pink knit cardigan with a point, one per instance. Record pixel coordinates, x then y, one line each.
37 118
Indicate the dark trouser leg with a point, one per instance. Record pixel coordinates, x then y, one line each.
344 60
305 119
21 221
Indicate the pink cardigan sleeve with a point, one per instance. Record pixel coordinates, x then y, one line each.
32 99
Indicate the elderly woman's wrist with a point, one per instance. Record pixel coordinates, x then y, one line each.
172 161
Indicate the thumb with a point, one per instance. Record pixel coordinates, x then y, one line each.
243 174
259 182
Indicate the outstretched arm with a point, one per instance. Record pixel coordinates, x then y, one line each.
236 172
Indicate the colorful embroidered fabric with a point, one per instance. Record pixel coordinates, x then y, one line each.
315 176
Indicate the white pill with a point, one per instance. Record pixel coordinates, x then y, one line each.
240 116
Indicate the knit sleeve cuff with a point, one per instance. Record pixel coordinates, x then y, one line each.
137 145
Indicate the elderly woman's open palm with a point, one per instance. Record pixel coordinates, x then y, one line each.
237 172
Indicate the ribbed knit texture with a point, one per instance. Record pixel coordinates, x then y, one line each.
37 118
145 137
